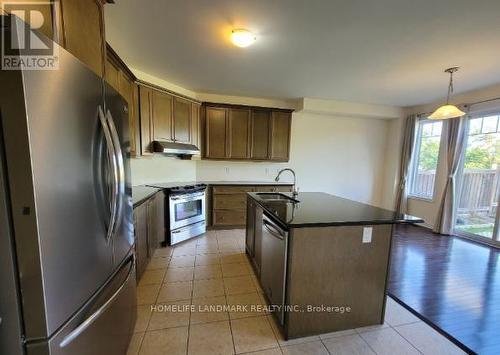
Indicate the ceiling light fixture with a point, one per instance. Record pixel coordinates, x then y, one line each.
242 38
447 111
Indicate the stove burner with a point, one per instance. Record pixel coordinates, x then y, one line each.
187 188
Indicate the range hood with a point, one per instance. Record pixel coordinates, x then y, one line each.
173 148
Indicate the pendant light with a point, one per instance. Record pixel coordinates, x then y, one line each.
447 111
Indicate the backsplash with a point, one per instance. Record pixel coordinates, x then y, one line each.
161 169
225 170
168 169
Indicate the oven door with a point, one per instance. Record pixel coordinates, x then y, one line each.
186 209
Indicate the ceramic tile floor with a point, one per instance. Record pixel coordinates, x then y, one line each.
212 270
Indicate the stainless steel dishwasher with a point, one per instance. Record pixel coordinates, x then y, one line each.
273 269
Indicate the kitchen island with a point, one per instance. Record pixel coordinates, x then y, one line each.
322 260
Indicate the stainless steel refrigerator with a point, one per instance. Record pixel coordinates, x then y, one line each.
67 274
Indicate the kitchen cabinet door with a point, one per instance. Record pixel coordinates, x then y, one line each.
141 238
161 104
239 133
216 132
158 220
152 236
182 120
257 257
112 73
126 88
195 124
46 9
250 228
145 120
229 217
83 32
261 124
280 136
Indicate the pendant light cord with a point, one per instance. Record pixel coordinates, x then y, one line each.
450 88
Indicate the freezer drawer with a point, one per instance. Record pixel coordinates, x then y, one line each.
104 325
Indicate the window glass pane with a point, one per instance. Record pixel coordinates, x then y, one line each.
490 124
475 125
425 161
436 129
478 181
427 129
187 210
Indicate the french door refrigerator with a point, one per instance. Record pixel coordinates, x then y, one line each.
67 270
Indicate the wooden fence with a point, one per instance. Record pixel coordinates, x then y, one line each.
478 190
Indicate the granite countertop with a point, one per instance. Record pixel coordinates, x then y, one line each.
322 209
167 185
142 193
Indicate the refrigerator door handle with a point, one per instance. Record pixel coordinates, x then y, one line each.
120 166
94 316
113 159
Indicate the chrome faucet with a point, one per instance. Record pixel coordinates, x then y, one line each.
295 191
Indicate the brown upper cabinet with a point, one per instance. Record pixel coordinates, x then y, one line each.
216 134
49 10
146 120
78 26
195 124
167 117
83 32
162 116
122 80
246 133
182 120
261 134
239 121
280 136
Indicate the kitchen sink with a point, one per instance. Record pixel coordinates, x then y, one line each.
271 196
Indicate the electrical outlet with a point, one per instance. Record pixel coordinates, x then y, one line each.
267 171
367 234
226 169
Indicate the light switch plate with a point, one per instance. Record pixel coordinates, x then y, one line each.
367 234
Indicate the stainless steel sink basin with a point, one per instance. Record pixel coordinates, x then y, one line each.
272 196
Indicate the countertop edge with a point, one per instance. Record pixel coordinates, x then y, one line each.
218 183
289 226
145 197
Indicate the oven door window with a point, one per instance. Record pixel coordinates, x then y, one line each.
186 210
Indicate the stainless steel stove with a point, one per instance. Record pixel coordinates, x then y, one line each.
185 212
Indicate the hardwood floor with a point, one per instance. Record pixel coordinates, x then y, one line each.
451 283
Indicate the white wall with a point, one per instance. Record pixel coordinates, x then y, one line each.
392 157
428 209
159 168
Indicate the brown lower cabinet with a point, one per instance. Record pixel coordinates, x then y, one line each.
141 238
229 203
149 229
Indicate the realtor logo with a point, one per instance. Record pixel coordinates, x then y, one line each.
23 46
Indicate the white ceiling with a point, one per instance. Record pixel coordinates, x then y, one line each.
375 51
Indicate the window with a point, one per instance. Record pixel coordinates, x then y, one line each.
425 159
478 189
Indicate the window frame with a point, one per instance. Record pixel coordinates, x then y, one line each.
416 154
